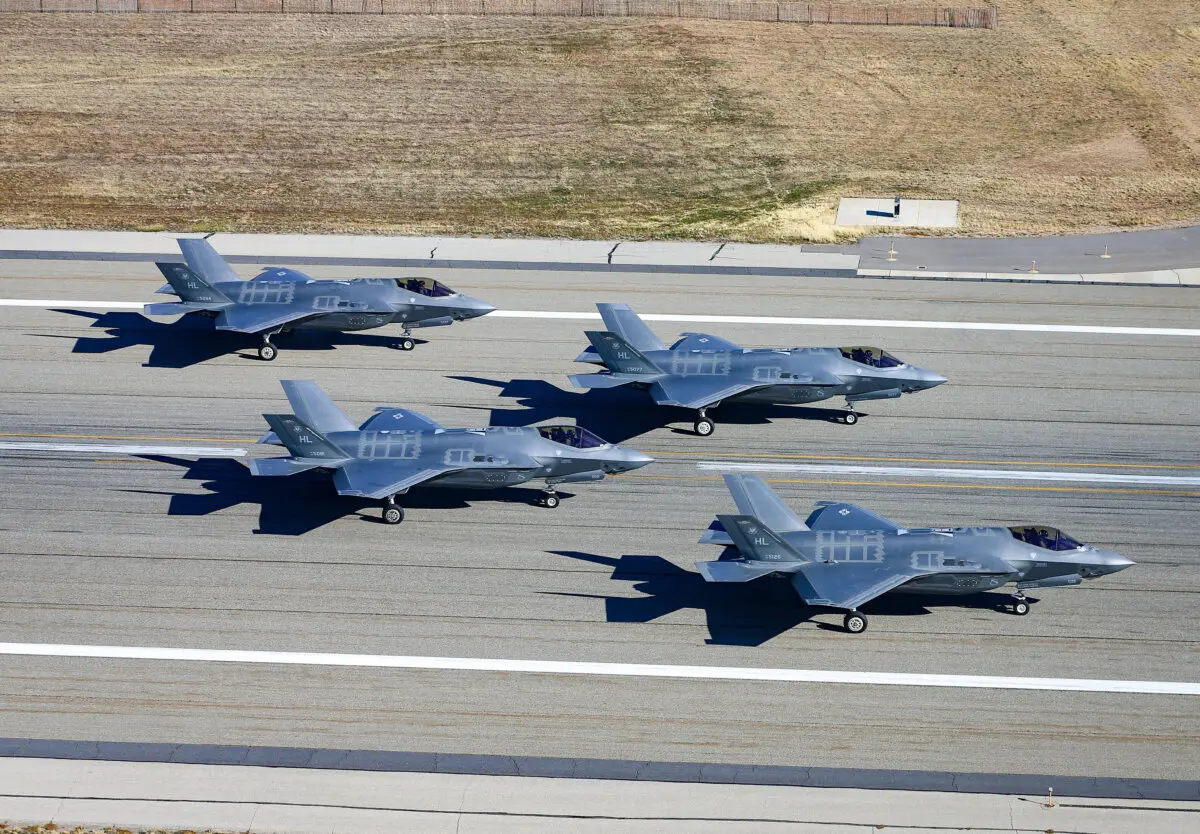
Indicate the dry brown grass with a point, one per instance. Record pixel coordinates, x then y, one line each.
1074 115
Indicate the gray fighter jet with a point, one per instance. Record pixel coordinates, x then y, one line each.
280 299
398 449
843 556
701 371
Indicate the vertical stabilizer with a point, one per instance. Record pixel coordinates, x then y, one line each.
190 287
620 319
619 356
756 541
302 440
754 497
202 258
313 406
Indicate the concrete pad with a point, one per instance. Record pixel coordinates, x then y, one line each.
877 211
1189 277
783 257
1159 276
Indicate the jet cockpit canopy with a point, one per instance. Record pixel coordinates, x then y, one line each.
424 286
1047 538
576 437
873 356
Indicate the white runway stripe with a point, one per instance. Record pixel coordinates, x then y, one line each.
701 319
556 667
110 449
967 474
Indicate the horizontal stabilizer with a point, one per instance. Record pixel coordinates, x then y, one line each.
754 497
273 467
715 534
313 406
831 515
176 308
739 571
603 380
620 319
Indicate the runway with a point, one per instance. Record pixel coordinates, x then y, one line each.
161 550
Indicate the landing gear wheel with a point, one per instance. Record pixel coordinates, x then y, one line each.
704 426
550 501
267 352
406 344
393 514
855 622
1020 607
850 418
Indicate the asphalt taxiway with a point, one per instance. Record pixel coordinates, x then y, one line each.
162 550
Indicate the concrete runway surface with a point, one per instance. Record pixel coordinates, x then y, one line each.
111 549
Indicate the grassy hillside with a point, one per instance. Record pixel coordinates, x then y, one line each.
1074 115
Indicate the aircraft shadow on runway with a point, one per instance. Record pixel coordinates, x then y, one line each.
301 503
193 339
740 613
618 414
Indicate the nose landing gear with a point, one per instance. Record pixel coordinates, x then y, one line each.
549 498
406 342
1020 605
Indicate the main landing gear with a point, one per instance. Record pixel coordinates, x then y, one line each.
267 351
704 426
393 513
549 498
1019 605
855 622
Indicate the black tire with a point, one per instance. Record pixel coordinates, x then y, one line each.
850 419
267 353
855 622
393 514
704 426
406 344
1020 608
550 502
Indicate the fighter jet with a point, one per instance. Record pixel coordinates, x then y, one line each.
701 371
398 449
843 556
279 299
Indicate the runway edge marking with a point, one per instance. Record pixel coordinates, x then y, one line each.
712 319
558 667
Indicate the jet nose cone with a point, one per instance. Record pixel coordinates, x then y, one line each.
1113 562
474 308
630 459
930 379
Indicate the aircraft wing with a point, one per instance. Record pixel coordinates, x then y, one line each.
381 478
698 391
255 318
399 419
831 515
703 341
848 585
